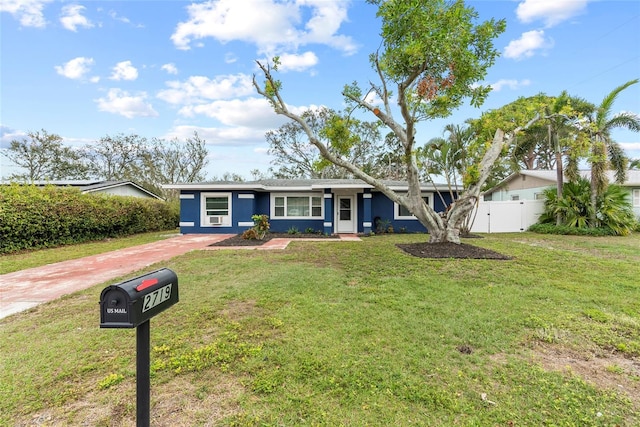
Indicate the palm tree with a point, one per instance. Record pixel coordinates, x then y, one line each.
604 151
562 116
634 164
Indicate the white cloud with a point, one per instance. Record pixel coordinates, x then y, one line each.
121 102
552 12
293 62
250 112
72 17
272 26
116 17
630 146
219 136
510 83
170 68
527 44
201 89
76 68
124 71
230 58
28 12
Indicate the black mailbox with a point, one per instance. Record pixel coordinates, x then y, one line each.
131 303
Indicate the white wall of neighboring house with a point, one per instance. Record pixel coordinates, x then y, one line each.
506 216
504 194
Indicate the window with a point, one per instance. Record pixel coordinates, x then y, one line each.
636 197
539 196
296 206
400 212
515 197
216 209
217 206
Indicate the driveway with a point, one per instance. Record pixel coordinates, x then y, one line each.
24 289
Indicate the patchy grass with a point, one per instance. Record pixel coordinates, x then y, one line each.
37 258
352 333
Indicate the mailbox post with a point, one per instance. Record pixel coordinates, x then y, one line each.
132 304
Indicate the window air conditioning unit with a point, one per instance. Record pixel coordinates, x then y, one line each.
215 220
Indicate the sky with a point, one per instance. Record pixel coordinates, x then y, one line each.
166 69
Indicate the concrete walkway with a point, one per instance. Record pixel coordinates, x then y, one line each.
24 289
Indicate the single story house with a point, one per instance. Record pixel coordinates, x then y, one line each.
530 184
116 188
330 206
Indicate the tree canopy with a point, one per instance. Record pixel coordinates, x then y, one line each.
433 57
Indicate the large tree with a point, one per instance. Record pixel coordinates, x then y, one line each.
432 58
295 157
149 163
173 161
605 152
44 157
117 157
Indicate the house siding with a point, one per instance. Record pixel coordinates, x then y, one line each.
370 207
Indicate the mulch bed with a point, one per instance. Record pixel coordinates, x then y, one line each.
237 240
450 250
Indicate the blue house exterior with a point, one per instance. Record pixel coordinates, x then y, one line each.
328 206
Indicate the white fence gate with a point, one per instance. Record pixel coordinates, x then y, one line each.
507 217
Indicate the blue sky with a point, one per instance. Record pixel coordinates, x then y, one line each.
87 69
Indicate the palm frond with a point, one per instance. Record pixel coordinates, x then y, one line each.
618 160
607 103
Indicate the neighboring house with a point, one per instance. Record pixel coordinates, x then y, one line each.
328 206
116 188
530 184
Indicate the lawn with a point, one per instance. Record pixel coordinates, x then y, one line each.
351 333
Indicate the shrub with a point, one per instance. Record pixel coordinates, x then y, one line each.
37 217
614 213
571 231
260 228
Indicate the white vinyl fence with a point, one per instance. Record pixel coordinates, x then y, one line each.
507 217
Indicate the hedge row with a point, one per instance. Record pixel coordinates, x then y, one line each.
38 217
571 231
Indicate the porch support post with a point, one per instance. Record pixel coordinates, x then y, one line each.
328 212
366 214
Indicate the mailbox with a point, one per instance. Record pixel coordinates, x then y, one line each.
131 303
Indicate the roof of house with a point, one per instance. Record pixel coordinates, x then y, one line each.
90 186
296 185
633 177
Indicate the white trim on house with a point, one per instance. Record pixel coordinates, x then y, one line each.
636 197
396 207
286 195
187 196
208 220
187 224
245 224
246 196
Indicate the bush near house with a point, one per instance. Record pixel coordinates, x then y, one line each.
38 217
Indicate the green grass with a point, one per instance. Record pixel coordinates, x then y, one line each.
352 333
37 258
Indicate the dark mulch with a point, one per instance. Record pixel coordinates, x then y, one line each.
450 250
237 240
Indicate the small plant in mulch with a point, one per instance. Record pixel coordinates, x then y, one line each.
260 228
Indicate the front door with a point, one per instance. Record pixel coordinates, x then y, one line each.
346 214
